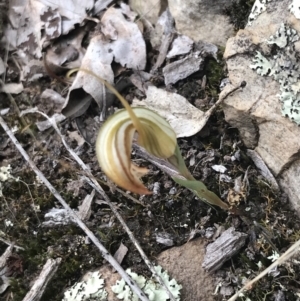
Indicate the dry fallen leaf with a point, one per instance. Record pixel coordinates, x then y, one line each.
12 88
101 5
35 22
98 60
2 67
127 43
181 69
126 10
185 119
121 253
55 98
181 45
66 53
122 42
163 27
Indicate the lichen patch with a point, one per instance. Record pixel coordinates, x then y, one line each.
283 67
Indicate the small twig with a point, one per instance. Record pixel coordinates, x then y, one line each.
4 257
106 255
6 203
164 47
39 286
11 244
263 168
5 60
223 97
162 164
283 258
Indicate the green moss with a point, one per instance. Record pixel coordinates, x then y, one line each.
36 240
18 288
238 12
215 72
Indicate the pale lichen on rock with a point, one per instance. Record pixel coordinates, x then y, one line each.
294 8
92 288
283 67
5 175
259 7
153 290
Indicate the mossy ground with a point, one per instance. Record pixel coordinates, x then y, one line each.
177 213
238 12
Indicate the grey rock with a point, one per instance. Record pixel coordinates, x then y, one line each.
256 110
184 264
149 10
202 20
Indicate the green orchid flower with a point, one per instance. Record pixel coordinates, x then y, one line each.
114 145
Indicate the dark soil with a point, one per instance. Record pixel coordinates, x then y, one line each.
173 210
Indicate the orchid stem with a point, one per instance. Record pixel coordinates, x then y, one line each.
135 120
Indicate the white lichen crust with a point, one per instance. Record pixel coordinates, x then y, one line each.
258 7
294 8
91 289
151 288
5 175
284 36
284 68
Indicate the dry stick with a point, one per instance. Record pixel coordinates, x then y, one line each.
208 113
106 255
162 164
283 258
93 182
11 244
164 47
39 286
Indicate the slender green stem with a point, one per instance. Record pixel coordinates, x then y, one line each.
137 124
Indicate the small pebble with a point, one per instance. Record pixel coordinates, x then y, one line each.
209 232
173 190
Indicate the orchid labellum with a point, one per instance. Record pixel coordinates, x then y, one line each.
114 144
